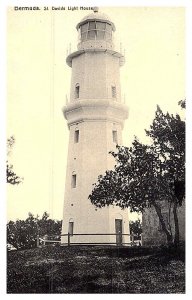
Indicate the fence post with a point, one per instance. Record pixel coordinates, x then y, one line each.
68 239
132 239
141 239
37 241
45 238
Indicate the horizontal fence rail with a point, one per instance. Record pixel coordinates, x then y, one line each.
133 241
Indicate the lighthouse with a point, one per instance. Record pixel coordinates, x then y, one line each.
95 116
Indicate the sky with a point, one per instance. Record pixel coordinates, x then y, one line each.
38 80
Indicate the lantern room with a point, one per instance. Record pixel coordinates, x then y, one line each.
95 30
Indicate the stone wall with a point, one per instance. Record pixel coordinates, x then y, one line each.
152 232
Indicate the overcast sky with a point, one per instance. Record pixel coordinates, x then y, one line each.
39 80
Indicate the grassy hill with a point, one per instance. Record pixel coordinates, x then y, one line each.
55 269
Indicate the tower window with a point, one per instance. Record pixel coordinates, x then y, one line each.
77 90
76 136
84 27
71 227
92 25
96 30
114 136
91 34
113 92
102 25
74 181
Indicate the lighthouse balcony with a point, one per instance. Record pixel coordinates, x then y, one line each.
95 45
112 52
95 110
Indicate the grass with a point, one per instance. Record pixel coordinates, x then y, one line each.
55 269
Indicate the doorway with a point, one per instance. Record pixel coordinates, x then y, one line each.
70 229
118 231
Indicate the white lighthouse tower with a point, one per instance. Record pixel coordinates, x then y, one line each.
95 117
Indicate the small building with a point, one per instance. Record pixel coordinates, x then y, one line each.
153 235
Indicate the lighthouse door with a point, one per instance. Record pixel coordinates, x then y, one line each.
118 230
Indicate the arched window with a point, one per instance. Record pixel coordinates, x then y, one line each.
114 134
113 91
77 90
73 180
76 136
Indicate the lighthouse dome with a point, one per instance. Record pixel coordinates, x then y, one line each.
96 16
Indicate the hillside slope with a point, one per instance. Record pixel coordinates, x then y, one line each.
55 269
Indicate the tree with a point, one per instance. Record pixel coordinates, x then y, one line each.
22 234
145 175
168 135
136 228
12 178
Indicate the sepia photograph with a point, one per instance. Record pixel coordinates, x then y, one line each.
95 135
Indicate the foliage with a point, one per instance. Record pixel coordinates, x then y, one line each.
145 175
136 228
182 103
22 234
12 177
168 135
10 143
